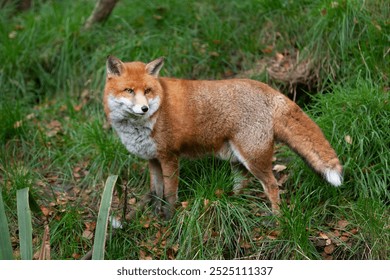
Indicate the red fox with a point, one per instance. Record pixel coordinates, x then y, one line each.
161 119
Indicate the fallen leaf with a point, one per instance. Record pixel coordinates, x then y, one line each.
219 193
329 249
157 238
53 128
30 116
346 234
175 248
18 124
279 167
46 211
323 235
245 245
279 57
184 204
90 225
342 224
144 256
146 223
268 49
327 257
336 233
354 231
271 237
78 108
348 139
87 234
76 256
344 238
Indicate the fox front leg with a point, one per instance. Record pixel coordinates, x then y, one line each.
170 171
156 185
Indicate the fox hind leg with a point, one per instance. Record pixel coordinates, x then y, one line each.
259 163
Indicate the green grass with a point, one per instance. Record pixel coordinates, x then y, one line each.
53 137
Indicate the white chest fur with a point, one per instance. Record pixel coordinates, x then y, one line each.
137 138
134 131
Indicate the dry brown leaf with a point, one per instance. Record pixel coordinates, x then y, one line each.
279 167
184 204
77 108
245 245
87 234
175 248
336 233
271 237
279 57
46 211
53 128
327 257
144 256
132 201
323 235
219 193
90 225
342 224
344 238
329 249
146 223
268 49
354 231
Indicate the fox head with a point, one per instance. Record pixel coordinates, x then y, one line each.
132 89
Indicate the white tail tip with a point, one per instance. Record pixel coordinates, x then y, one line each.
333 177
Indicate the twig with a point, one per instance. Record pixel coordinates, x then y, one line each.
143 202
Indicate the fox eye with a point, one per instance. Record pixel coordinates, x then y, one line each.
148 90
129 90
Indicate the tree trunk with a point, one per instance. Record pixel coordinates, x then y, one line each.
21 5
24 5
101 12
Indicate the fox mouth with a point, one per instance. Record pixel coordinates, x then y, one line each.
132 114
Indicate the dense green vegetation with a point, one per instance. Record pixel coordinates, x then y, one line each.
54 139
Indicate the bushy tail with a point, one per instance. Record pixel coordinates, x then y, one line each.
293 127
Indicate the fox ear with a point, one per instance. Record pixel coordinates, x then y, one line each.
114 66
154 67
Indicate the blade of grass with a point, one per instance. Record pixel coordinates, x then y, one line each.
102 221
5 240
25 226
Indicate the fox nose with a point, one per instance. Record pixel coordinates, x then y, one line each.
144 108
